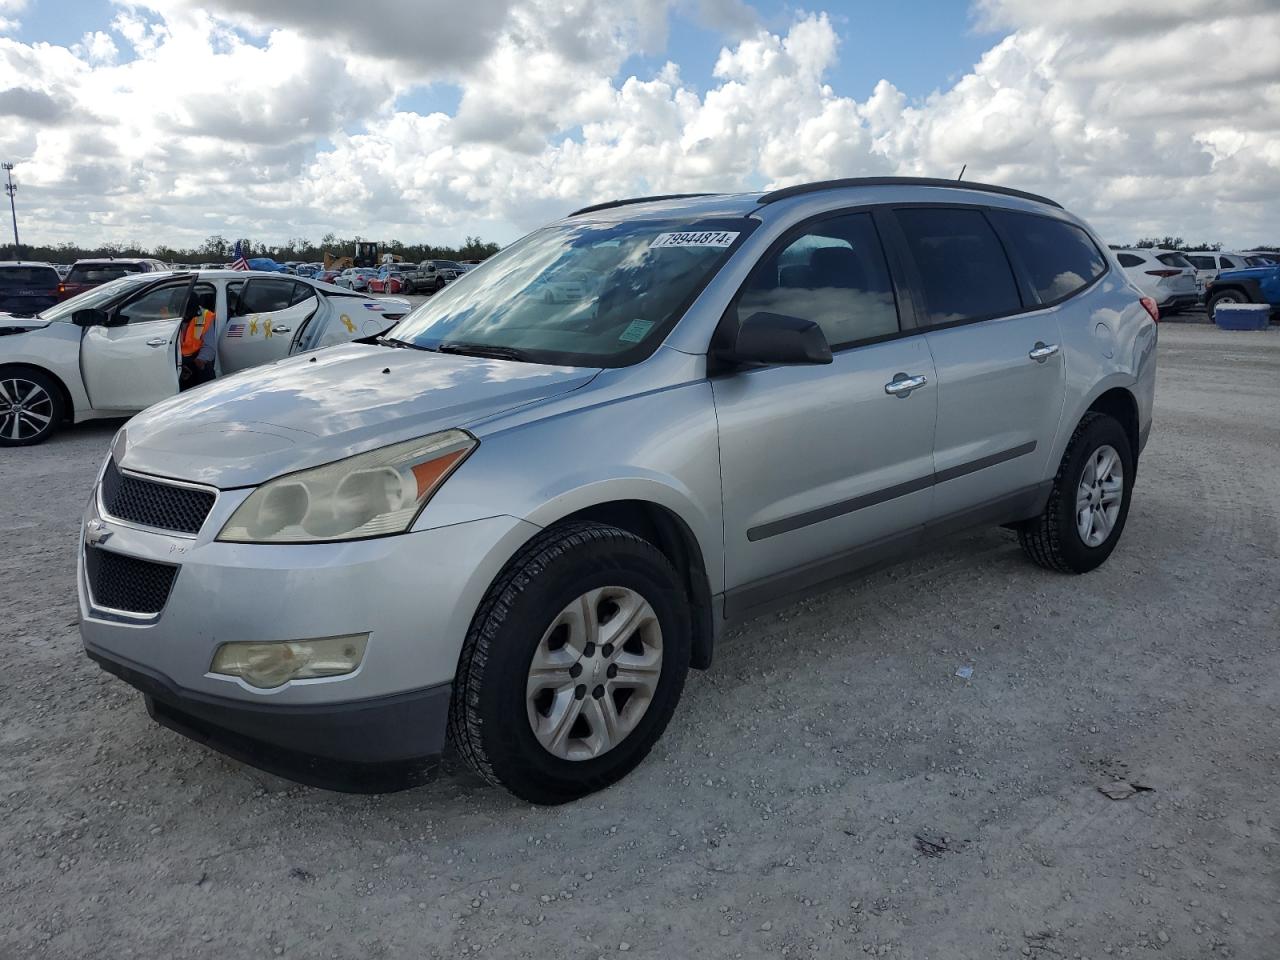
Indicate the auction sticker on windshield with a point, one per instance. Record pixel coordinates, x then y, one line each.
711 238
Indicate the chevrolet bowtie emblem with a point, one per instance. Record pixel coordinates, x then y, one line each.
96 532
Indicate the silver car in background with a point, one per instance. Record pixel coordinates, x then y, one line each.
518 522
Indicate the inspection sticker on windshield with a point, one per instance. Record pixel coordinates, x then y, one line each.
635 331
710 238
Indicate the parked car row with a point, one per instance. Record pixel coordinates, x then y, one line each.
1180 280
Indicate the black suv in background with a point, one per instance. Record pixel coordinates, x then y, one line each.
27 288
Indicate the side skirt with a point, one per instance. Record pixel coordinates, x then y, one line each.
779 590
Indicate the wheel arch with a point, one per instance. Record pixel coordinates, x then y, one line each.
68 402
1120 404
669 532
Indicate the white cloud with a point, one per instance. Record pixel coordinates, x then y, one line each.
189 118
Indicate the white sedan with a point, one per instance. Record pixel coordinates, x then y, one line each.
113 350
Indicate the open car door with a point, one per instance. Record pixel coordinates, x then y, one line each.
132 361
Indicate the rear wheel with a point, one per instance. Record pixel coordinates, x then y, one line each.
573 665
1089 502
31 407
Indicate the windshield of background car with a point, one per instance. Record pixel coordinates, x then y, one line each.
100 297
101 272
582 294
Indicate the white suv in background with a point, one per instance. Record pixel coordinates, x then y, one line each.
1209 263
1166 276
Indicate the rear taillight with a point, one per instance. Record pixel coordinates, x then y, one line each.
1164 273
1151 308
62 289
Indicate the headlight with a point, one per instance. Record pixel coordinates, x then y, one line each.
369 495
269 665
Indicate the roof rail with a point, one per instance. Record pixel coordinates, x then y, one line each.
803 188
622 203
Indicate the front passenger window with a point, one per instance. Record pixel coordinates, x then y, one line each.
834 274
165 303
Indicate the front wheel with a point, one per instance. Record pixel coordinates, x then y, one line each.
573 664
1089 501
1226 296
31 407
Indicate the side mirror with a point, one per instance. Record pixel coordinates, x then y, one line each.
777 338
90 317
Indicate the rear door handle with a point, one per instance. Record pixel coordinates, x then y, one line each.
1042 351
901 385
157 341
275 330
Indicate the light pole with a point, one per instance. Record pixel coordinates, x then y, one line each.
11 188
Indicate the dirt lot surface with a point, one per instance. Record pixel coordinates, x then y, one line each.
830 788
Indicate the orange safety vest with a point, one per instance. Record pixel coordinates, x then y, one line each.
193 333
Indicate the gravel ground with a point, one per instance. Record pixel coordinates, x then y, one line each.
830 788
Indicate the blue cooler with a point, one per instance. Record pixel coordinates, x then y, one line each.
1242 316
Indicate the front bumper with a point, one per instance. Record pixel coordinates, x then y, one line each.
413 594
1179 301
366 746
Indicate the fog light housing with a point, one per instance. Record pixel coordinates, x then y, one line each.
268 665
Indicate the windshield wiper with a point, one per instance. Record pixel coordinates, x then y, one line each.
483 350
393 342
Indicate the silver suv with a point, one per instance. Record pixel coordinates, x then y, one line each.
518 521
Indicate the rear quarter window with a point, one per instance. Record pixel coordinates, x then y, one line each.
1130 260
1059 257
1174 260
28 278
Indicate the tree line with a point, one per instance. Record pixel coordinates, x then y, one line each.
218 249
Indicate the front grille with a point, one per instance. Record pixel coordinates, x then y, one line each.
154 503
125 583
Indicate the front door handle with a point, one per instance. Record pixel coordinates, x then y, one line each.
901 385
1042 351
157 341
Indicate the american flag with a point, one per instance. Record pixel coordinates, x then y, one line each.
240 263
235 329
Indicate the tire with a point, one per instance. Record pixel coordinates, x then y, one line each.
1054 539
1226 296
31 406
534 601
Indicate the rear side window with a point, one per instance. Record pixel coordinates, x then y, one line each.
1129 260
1174 260
101 272
264 296
28 278
963 267
1201 262
833 274
1059 257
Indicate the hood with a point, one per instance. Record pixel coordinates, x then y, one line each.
314 409
1246 273
17 323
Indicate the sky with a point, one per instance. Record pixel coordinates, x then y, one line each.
167 121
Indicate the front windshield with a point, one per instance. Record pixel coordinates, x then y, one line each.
582 294
97 297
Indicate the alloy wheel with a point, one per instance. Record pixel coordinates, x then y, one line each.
594 673
26 409
1099 496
